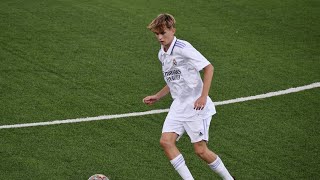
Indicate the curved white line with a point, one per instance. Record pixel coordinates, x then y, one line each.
105 117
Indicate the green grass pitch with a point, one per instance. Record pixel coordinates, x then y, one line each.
65 59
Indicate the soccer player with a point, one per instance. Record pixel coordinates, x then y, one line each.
192 108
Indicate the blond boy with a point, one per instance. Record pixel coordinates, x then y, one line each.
192 108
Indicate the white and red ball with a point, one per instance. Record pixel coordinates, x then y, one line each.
98 177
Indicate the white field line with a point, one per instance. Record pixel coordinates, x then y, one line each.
105 117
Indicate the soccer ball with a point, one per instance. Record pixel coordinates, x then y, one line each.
98 177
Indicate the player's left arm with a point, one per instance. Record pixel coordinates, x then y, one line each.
207 78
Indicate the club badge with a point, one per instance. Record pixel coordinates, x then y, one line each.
174 62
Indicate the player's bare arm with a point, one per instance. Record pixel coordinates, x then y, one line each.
149 100
200 103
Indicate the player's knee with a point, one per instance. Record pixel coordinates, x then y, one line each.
200 150
166 143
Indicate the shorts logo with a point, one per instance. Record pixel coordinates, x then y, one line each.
200 134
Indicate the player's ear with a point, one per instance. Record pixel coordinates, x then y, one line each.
174 30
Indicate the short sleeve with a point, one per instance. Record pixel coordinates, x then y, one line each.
195 58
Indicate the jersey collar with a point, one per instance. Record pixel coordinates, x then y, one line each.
170 48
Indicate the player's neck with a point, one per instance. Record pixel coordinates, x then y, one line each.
166 47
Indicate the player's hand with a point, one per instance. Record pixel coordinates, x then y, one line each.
200 103
149 100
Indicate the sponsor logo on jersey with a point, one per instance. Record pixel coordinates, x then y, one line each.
172 75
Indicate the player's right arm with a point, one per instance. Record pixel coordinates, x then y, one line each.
149 100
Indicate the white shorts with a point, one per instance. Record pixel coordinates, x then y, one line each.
198 130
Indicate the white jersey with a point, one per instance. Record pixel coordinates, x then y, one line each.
180 66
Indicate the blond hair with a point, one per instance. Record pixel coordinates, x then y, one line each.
162 21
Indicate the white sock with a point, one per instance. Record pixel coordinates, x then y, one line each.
218 167
180 166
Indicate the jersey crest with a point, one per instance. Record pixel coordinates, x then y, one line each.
174 62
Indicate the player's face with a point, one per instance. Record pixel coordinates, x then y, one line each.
165 37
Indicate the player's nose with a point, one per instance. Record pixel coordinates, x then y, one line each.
159 37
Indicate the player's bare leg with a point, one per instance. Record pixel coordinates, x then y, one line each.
215 163
201 149
168 143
